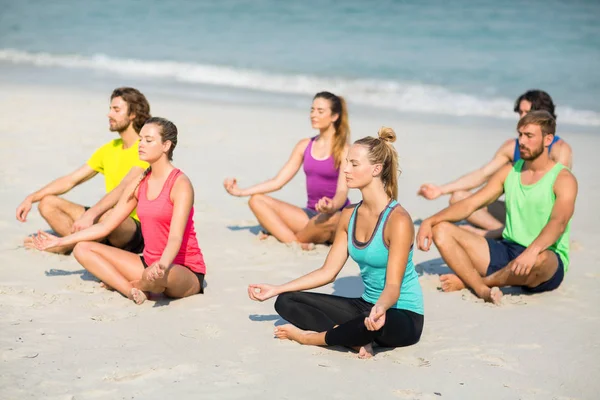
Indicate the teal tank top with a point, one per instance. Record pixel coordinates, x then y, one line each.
372 258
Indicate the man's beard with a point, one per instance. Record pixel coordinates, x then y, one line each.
119 127
532 154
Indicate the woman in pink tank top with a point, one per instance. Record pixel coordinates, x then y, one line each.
172 262
323 157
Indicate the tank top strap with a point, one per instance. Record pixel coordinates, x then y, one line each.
353 219
142 187
308 150
516 152
386 214
170 182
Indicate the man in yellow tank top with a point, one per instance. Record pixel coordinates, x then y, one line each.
534 250
119 162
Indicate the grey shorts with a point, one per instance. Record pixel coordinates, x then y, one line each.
310 212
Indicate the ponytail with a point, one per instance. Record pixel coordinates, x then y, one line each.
141 178
342 125
382 151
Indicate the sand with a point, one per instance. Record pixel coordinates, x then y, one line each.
64 337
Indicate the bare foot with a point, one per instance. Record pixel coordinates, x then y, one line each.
138 296
291 332
451 283
365 352
307 246
262 235
495 296
28 242
107 287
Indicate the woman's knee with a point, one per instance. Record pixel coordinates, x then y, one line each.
256 200
284 303
82 250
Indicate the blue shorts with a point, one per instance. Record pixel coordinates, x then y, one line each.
503 252
310 212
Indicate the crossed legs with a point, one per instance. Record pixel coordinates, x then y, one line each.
288 223
124 271
468 256
61 214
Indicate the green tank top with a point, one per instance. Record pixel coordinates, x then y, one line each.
528 210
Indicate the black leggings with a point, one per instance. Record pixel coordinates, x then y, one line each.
321 312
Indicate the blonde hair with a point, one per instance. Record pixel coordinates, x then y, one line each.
382 151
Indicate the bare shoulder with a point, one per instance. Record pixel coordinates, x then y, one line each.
347 213
561 146
508 148
400 219
565 178
182 185
302 144
503 172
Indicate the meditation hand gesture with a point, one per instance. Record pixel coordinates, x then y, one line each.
523 264
425 236
84 222
325 206
376 319
44 241
155 271
430 191
23 210
261 291
230 184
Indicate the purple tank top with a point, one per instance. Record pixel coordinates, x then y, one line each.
321 177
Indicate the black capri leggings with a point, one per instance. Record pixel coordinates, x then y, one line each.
321 312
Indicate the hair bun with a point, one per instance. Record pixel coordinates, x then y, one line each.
387 134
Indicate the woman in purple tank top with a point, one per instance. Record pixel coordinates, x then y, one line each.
322 156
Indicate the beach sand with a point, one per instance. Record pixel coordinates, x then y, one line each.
63 337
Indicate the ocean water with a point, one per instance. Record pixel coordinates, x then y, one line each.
464 58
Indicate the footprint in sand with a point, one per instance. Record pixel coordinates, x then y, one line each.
415 394
575 246
209 331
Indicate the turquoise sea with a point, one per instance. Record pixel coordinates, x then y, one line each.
468 58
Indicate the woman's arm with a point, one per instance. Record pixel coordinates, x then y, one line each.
182 196
400 233
289 170
326 274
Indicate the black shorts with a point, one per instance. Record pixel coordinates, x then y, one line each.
136 244
199 275
503 252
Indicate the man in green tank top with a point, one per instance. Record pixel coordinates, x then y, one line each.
534 250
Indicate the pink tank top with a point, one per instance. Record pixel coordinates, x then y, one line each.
155 218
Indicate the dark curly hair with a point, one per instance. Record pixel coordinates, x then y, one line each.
136 103
539 100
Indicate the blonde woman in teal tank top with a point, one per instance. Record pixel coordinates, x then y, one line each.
378 235
540 201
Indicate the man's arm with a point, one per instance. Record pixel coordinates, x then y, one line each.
56 187
565 189
562 153
107 202
475 178
464 208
